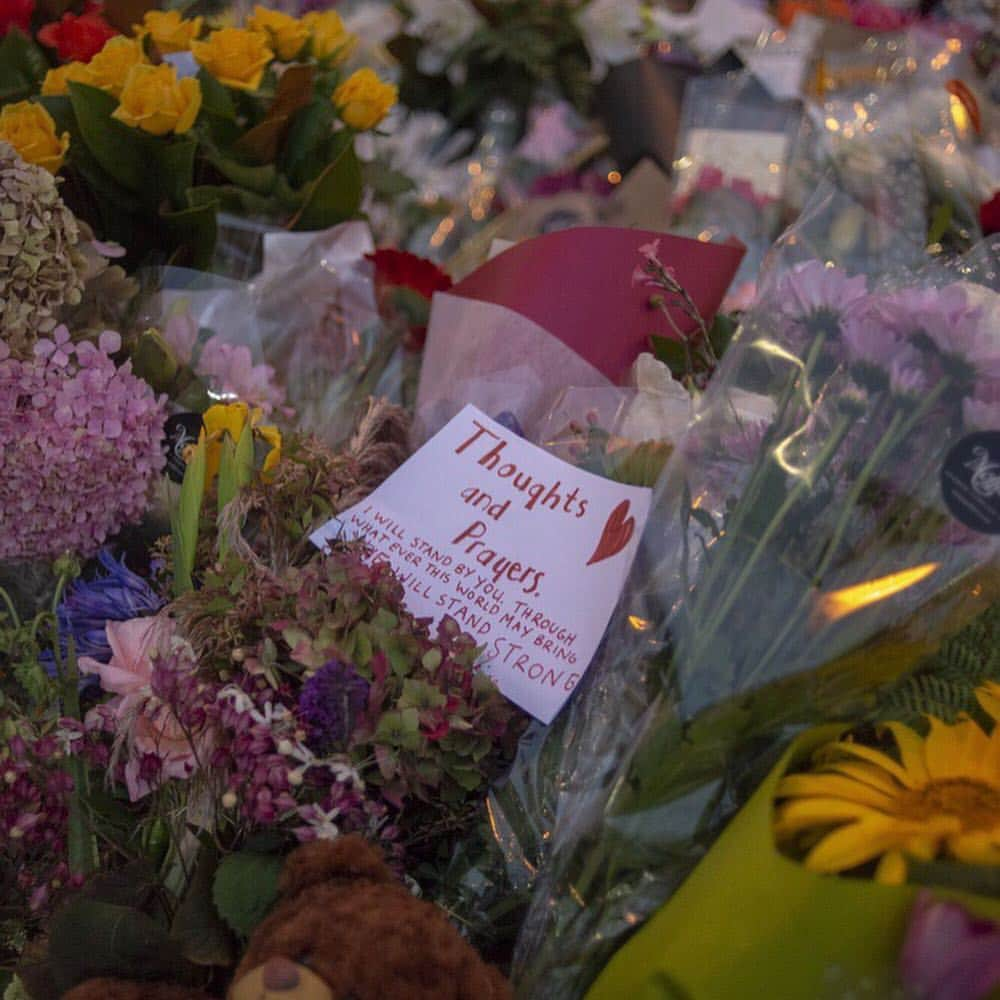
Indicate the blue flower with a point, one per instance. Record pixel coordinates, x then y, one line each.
330 703
88 605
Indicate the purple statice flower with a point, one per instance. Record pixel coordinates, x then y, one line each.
815 298
948 954
79 447
116 595
331 702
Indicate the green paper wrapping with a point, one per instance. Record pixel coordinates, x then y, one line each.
750 922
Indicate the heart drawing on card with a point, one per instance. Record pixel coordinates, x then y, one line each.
616 535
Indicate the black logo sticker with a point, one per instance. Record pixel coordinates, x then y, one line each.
180 430
970 481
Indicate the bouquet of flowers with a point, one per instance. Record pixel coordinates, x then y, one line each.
188 687
803 557
458 54
260 120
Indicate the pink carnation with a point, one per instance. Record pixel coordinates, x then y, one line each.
80 445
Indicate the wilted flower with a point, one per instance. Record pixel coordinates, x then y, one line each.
79 447
40 268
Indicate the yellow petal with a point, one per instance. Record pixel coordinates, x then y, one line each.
911 751
853 845
866 774
834 786
801 814
980 848
231 417
955 751
876 757
988 697
891 869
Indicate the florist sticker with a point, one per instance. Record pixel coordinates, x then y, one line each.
527 553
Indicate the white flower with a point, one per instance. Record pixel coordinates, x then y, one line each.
610 30
374 23
322 823
444 26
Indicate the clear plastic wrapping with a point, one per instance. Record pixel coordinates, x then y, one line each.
799 555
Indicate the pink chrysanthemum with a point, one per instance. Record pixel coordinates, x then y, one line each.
80 443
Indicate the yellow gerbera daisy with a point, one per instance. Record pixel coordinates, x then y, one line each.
939 797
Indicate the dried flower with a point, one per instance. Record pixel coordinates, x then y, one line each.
79 446
40 268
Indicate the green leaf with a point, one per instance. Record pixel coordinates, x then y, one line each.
175 169
258 179
195 229
245 888
215 98
940 221
235 472
202 935
231 198
89 938
721 333
304 154
184 519
335 196
118 149
671 353
22 66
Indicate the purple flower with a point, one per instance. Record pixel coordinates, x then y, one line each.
117 595
331 702
820 299
79 447
948 954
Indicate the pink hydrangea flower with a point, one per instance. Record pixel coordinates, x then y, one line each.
80 445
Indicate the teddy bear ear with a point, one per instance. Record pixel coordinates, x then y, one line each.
348 858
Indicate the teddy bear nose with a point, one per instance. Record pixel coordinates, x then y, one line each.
280 974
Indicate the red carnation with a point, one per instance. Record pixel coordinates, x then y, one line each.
989 215
16 14
397 269
77 38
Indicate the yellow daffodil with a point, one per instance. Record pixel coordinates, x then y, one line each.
231 418
30 129
328 35
938 795
288 35
110 67
363 100
169 31
57 80
234 56
155 101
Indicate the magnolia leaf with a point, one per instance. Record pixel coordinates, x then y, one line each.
175 169
245 888
215 98
307 149
194 230
335 196
184 518
89 938
295 90
671 353
22 66
118 149
200 932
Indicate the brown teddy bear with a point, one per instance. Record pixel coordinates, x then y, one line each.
344 928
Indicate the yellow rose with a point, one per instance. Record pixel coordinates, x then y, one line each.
329 36
287 34
170 32
109 68
363 100
154 100
56 80
29 128
234 56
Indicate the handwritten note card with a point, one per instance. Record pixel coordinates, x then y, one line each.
527 553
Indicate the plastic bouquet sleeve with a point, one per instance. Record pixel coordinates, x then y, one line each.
751 921
794 562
